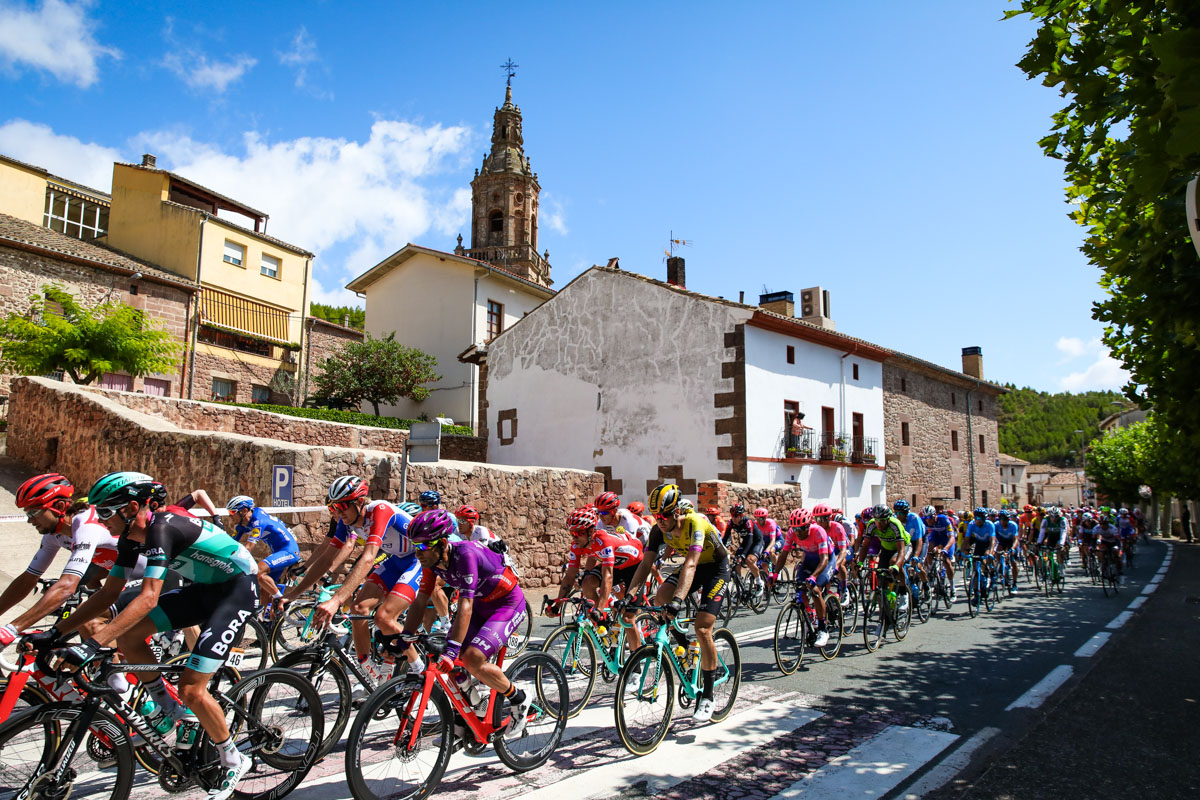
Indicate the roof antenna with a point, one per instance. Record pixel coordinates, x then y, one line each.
674 244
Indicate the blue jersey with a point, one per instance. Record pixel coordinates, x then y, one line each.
939 529
914 526
1007 530
981 533
265 528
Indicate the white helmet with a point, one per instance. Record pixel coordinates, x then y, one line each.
239 502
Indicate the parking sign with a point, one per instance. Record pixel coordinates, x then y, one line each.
281 484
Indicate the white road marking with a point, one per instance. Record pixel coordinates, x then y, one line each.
874 767
1137 602
1157 579
950 766
1119 620
676 761
1042 689
1092 645
1150 588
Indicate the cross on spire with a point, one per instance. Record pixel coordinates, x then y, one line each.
510 69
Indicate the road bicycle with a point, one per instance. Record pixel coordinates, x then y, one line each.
921 598
796 627
584 650
1110 572
881 606
646 693
744 590
1051 574
403 736
82 749
940 584
979 581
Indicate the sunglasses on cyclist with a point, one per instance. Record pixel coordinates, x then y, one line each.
423 546
338 507
33 512
103 512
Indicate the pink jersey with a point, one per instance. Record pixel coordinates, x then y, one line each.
814 543
838 535
769 531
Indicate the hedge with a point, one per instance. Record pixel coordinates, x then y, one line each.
349 417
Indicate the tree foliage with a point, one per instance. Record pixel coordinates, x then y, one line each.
1040 427
1129 139
59 334
338 314
1144 453
375 371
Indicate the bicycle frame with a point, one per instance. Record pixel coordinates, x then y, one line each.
479 728
691 684
586 628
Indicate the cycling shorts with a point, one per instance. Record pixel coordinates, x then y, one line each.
939 539
621 577
886 557
280 560
752 545
220 610
493 622
981 546
711 580
1004 545
399 575
805 568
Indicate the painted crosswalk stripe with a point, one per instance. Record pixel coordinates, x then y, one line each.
1093 645
1119 620
875 767
1038 693
1137 602
676 761
1150 588
950 766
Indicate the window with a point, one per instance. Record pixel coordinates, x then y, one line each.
983 498
74 216
495 319
791 354
981 408
954 441
234 253
260 394
953 399
904 384
115 380
855 371
223 389
958 493
270 266
157 387
496 222
914 501
904 441
981 449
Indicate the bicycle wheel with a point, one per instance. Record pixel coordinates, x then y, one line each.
783 587
541 674
645 700
1035 569
255 643
873 621
851 607
1047 568
791 630
903 619
734 593
333 684
291 629
382 761
575 653
922 598
989 590
518 640
758 598
276 718
31 747
729 673
833 627
974 589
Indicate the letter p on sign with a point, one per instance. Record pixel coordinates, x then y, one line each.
281 484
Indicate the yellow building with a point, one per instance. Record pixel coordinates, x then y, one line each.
247 335
33 194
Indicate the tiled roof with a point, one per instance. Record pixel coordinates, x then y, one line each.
189 182
56 178
1012 461
243 229
321 321
20 232
444 254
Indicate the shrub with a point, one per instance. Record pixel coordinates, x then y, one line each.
349 417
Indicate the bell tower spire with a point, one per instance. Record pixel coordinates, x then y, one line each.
504 198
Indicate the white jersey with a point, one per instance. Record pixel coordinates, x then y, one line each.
628 524
482 534
89 542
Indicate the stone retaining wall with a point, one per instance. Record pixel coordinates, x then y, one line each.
85 433
779 499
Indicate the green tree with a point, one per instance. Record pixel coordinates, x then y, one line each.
59 334
375 371
1129 139
339 314
1121 461
1040 427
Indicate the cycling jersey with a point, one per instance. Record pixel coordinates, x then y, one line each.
619 552
938 530
479 573
383 524
88 543
839 537
693 533
814 543
1053 529
770 530
482 534
981 531
266 529
915 526
889 534
1006 531
1107 533
195 548
627 524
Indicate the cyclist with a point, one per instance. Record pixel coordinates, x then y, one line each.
839 538
639 510
750 545
1008 536
1054 533
468 520
940 541
981 535
816 565
914 525
888 535
608 560
1108 541
620 521
490 607
222 595
769 528
1086 537
714 516
392 584
74 527
705 568
258 526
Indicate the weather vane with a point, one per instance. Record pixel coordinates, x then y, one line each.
510 69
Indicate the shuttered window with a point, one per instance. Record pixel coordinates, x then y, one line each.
243 316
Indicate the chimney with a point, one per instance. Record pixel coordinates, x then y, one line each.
778 302
345 320
149 160
675 274
973 362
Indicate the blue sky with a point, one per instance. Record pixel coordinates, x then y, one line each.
885 151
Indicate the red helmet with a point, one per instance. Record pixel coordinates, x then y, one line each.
712 511
607 502
800 517
637 507
42 490
761 513
822 510
583 519
468 513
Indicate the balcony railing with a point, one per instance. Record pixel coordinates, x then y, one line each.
831 446
502 256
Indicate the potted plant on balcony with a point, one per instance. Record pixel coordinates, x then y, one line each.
868 457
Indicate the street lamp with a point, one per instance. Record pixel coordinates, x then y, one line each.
1083 451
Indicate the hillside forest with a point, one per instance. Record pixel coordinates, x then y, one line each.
1040 427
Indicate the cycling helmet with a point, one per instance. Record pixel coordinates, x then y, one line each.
901 506
1123 511
761 513
582 520
430 525
158 496
42 490
980 513
114 490
607 502
928 511
738 509
664 499
410 508
1004 515
468 514
881 512
800 518
637 507
1055 512
1108 519
712 511
684 507
430 498
821 510
346 489
867 513
838 516
240 502
1087 516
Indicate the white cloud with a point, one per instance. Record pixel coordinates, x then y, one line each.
302 53
199 73
1071 346
86 162
552 214
56 37
1103 373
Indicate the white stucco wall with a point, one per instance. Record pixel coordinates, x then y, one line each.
814 381
614 372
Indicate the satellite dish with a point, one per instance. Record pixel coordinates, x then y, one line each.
1193 211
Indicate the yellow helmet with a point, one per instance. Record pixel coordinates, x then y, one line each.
664 499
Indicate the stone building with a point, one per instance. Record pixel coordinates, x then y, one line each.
941 434
321 340
1012 481
32 256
